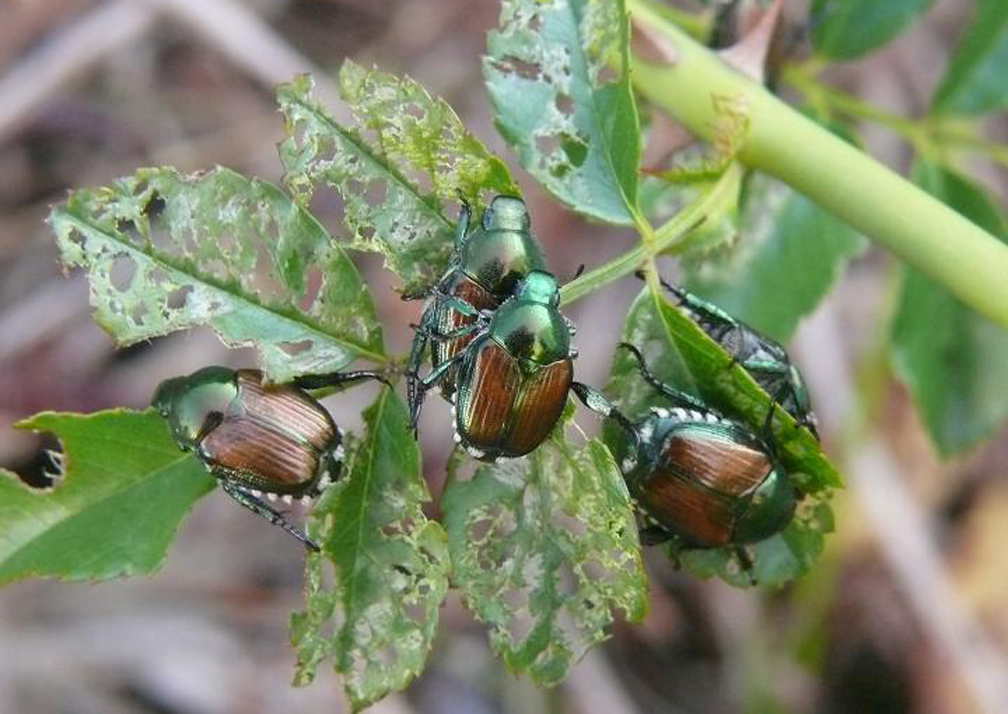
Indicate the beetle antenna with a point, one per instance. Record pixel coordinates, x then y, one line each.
579 271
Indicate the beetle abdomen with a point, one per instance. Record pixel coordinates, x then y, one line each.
447 319
503 410
711 457
704 480
483 408
272 438
538 405
702 516
267 459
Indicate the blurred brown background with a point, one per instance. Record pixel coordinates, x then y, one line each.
908 610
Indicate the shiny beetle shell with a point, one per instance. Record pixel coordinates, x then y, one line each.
706 479
490 261
513 380
270 438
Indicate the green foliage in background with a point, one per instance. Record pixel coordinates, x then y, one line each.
542 549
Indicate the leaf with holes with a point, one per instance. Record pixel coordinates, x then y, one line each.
166 252
383 572
679 353
544 550
557 73
123 488
408 155
952 359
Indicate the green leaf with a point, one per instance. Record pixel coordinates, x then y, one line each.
790 256
952 360
405 139
373 594
680 354
974 81
123 488
558 77
846 29
166 252
544 549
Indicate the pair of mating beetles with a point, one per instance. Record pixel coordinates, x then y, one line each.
500 352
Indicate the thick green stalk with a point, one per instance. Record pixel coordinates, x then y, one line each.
969 262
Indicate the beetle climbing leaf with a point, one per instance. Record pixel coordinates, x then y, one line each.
167 252
544 550
679 353
383 572
122 490
558 75
404 140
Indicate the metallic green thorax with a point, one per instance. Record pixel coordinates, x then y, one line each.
187 402
501 251
529 326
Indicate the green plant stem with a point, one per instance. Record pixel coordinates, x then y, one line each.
668 238
924 134
969 262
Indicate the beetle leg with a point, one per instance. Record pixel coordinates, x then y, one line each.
571 327
681 398
746 562
433 334
261 508
417 348
422 385
335 379
653 535
598 403
461 305
462 227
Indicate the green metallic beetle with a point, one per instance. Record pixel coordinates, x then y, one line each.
700 477
258 439
488 264
512 379
765 359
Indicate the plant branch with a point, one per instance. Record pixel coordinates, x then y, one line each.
668 238
924 134
966 260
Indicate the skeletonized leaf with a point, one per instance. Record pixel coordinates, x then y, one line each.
544 550
373 594
557 73
680 354
123 489
166 252
408 155
952 360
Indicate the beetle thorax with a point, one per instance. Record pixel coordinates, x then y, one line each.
499 259
531 331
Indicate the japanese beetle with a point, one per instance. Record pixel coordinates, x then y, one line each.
513 377
255 438
764 358
701 477
488 264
